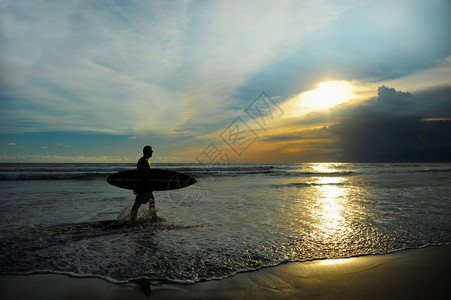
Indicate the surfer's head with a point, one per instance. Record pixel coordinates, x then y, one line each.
147 151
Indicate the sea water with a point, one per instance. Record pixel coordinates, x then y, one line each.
65 218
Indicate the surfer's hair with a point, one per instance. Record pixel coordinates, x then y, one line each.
147 149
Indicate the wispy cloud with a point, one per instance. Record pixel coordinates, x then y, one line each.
141 67
94 68
239 39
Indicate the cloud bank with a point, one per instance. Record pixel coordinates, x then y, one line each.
394 126
398 127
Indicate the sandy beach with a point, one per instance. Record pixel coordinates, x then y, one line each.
409 274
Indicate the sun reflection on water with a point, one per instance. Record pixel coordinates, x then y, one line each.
330 211
326 168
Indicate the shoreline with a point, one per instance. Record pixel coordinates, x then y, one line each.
414 273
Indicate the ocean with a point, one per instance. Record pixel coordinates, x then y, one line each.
65 218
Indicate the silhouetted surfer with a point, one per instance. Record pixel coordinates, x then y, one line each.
146 195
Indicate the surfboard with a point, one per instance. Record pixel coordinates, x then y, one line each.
158 179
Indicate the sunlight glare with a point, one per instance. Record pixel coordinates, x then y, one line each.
326 168
328 94
325 95
331 205
335 261
332 199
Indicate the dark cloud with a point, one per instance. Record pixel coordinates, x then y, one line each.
391 97
397 127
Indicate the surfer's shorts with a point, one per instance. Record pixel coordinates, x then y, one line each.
143 198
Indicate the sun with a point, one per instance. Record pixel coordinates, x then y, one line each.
328 94
325 95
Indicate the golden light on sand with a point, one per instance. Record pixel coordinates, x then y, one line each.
334 261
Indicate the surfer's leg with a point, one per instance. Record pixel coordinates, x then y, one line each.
152 205
134 212
141 198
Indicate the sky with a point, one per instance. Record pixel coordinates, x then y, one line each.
225 81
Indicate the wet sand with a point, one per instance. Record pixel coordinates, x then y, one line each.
409 274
